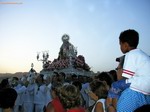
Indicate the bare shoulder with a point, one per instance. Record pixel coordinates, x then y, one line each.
99 107
50 107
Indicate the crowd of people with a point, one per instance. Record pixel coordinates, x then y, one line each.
125 89
56 93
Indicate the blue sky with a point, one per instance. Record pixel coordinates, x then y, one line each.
93 27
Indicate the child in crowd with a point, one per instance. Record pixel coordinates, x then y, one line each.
137 69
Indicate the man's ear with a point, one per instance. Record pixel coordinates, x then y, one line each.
126 45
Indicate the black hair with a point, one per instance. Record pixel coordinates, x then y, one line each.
74 76
130 36
56 74
42 77
16 78
113 74
63 74
7 98
104 76
77 84
4 83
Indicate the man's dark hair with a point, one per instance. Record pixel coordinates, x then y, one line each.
130 36
42 77
7 98
77 84
4 83
63 74
104 76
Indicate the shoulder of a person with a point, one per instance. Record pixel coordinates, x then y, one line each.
49 107
134 51
99 106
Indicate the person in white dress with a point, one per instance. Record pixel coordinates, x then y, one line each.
40 92
28 96
20 89
48 83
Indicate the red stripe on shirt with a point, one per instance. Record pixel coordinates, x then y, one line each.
128 72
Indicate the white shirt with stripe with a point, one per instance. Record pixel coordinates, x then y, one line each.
137 69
